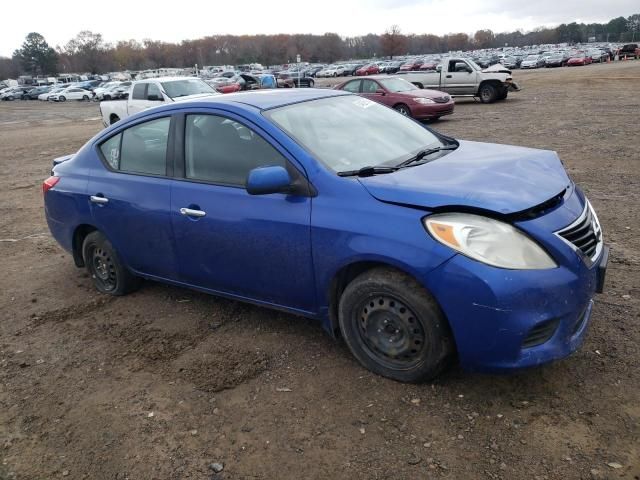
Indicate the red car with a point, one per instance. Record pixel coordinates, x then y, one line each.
403 96
579 59
369 69
430 64
412 65
229 88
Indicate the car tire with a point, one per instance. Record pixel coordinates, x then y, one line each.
106 97
394 327
403 109
113 119
85 98
488 93
62 98
108 273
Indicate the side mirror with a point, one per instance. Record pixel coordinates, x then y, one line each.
154 98
266 180
380 91
439 68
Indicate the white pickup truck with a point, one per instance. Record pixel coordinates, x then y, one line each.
463 77
152 92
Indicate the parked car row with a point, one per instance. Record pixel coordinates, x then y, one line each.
51 93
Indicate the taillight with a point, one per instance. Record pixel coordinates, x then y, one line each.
49 183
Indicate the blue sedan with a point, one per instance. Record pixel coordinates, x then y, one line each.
414 247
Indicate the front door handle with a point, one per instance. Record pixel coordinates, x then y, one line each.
449 76
98 199
189 212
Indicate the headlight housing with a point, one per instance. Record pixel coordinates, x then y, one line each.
423 100
489 241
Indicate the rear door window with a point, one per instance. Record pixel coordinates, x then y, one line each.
139 149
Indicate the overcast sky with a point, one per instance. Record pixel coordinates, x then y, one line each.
178 20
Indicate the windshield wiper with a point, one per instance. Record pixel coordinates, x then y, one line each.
367 171
424 153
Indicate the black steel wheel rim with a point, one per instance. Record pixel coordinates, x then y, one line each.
104 270
390 332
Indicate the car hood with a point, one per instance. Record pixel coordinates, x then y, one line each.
425 93
500 178
497 68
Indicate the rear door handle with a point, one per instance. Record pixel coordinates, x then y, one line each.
98 199
189 212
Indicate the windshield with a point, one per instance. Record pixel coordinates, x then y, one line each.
350 132
183 88
395 85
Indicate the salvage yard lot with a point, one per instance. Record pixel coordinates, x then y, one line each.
162 383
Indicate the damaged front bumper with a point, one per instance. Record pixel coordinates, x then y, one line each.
512 86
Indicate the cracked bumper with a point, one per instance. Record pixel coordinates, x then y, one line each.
492 311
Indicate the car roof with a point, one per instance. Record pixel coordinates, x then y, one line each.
266 99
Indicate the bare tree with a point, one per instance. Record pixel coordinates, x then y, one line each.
393 42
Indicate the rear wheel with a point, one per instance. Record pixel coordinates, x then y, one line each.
403 109
114 118
394 327
85 98
109 275
62 98
488 93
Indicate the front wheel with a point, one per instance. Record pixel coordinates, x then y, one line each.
403 109
109 275
488 93
394 327
62 98
85 98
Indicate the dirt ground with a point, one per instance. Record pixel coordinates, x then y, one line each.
162 383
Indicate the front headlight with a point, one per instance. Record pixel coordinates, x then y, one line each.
488 241
423 101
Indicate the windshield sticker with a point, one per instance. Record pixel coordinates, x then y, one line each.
363 103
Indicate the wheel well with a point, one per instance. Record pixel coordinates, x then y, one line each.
495 83
114 118
79 235
340 281
419 85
